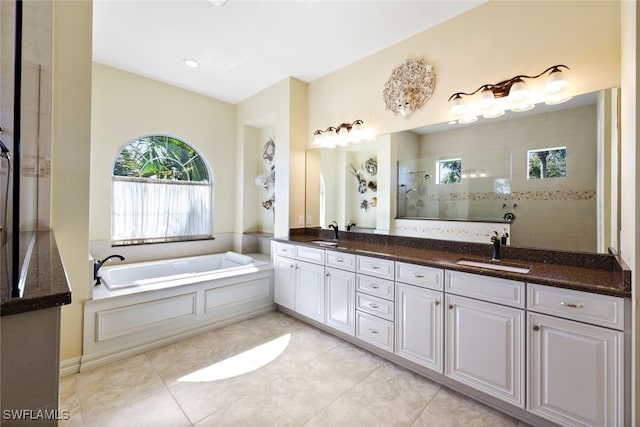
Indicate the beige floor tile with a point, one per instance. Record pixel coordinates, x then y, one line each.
390 395
346 364
69 402
157 410
235 339
255 410
116 384
451 409
301 396
202 394
178 359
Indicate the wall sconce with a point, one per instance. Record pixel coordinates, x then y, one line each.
512 94
341 135
409 87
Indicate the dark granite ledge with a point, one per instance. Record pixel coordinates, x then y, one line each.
598 273
46 283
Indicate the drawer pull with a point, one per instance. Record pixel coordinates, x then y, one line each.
536 328
571 305
373 305
339 260
374 286
373 331
285 250
375 267
418 275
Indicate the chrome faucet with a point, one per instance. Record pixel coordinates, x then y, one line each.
97 264
495 239
334 227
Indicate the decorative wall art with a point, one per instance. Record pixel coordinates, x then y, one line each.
266 181
409 87
364 183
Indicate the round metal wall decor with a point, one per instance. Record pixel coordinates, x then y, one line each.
409 87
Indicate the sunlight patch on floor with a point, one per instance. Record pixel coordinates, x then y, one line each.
241 363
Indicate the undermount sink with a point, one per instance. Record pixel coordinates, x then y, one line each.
496 265
325 243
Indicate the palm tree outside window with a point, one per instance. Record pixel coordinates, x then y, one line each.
161 191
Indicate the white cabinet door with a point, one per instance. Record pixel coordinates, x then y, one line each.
575 372
340 294
485 347
419 325
284 289
309 290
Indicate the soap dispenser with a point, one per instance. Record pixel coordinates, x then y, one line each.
504 237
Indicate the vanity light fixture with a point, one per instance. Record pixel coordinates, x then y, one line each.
513 94
341 135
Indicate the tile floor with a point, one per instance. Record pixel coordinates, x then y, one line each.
272 370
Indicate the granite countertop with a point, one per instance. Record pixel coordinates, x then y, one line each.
598 273
46 283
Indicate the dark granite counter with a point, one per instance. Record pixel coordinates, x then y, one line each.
598 273
45 285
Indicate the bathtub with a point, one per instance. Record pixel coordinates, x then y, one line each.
182 270
145 305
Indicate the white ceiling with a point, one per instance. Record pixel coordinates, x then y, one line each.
245 46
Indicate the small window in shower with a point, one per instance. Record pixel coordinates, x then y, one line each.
161 191
448 171
547 163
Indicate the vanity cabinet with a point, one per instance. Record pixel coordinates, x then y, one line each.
484 334
375 301
575 369
284 272
340 292
299 273
419 312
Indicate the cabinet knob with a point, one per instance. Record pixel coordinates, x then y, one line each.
437 303
536 327
450 306
327 274
291 266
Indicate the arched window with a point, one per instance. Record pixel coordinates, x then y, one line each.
161 191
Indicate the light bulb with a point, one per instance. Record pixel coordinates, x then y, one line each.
458 106
555 82
496 112
467 119
518 92
487 100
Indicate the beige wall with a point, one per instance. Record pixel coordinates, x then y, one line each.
72 24
126 106
491 42
630 179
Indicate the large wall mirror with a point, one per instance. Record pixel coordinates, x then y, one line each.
549 177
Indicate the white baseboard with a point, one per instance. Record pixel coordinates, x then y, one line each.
70 366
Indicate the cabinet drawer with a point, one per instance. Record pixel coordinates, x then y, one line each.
374 305
375 267
602 310
374 330
419 275
492 289
374 286
314 255
284 249
341 260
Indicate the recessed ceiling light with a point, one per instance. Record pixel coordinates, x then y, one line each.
192 63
